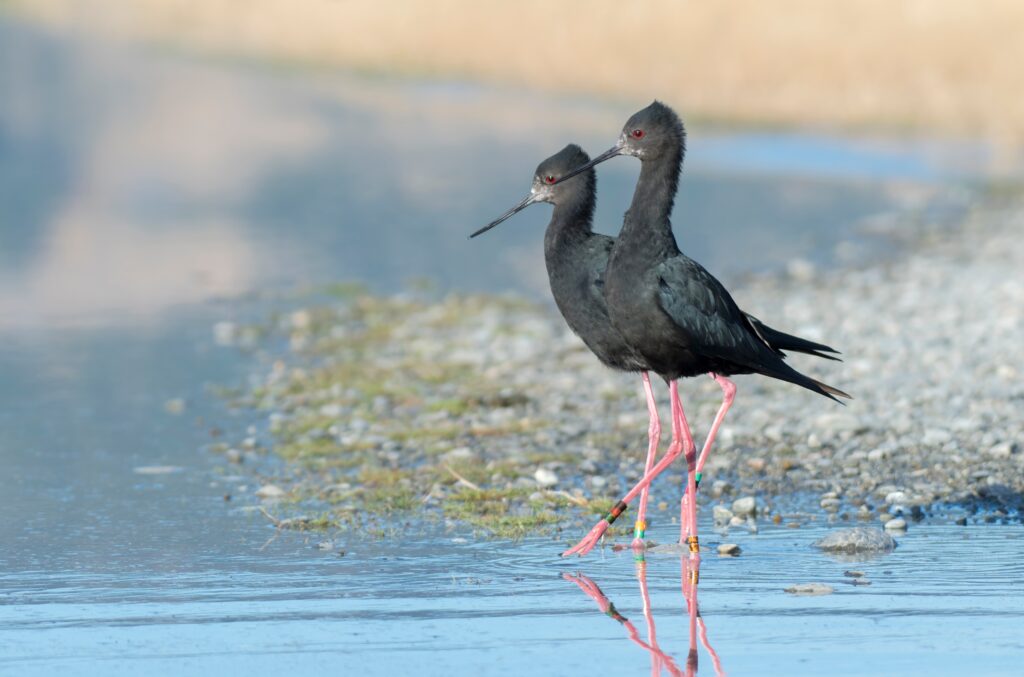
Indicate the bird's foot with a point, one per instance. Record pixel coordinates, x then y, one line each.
589 541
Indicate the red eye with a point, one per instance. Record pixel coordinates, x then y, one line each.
637 133
549 179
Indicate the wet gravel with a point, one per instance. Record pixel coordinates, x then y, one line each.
496 394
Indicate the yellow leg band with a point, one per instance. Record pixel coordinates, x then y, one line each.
693 543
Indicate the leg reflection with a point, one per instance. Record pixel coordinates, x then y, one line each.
690 578
660 661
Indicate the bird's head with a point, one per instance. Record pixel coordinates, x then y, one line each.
547 185
648 134
651 132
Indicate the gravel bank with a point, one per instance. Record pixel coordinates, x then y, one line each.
488 411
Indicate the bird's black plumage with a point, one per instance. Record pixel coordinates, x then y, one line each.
667 306
576 257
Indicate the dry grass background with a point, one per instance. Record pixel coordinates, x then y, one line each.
938 65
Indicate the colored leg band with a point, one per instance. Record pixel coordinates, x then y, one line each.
640 529
613 613
694 576
619 508
696 479
693 543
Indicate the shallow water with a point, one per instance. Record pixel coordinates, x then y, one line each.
141 189
947 601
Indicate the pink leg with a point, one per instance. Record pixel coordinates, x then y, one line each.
653 438
688 513
681 441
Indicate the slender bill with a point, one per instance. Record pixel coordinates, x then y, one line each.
526 202
617 149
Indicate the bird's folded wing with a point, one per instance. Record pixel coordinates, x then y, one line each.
705 312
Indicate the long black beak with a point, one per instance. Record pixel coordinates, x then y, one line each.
607 155
526 202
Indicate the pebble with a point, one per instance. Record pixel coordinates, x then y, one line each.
545 477
460 454
895 497
744 506
855 540
1001 450
720 487
728 550
721 515
830 504
224 333
896 524
810 589
270 491
156 469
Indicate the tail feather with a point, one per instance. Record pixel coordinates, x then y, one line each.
782 341
782 371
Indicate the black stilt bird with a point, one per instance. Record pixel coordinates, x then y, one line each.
576 259
674 312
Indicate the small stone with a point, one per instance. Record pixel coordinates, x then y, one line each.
460 454
728 550
234 455
746 505
813 441
830 504
175 406
736 521
934 437
545 477
884 517
270 491
598 482
224 333
896 524
856 539
810 589
1001 450
720 487
721 515
756 464
156 469
896 498
854 574
838 422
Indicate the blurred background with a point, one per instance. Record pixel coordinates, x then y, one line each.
160 153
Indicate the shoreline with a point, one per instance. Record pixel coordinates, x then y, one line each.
485 410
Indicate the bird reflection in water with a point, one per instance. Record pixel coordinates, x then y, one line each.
660 661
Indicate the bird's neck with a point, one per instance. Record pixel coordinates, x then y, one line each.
648 217
571 224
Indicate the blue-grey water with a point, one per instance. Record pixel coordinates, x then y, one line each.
143 196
